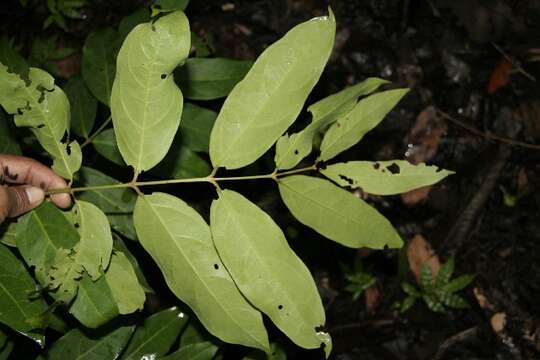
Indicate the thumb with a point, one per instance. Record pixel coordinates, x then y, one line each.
16 200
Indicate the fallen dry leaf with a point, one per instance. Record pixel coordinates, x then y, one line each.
416 196
498 321
483 302
420 252
425 136
373 298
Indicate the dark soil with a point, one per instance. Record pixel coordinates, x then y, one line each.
466 112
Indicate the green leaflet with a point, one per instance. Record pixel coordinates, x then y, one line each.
290 150
121 246
44 108
210 78
61 278
99 63
181 162
196 126
336 213
19 312
117 204
367 114
95 246
76 345
155 336
161 6
146 104
105 144
179 240
267 101
44 232
83 107
8 142
125 288
266 270
8 233
12 59
200 351
94 304
384 177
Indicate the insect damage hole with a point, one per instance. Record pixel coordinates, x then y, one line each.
346 179
280 307
163 76
393 168
216 266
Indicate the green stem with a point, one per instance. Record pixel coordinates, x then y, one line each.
97 132
210 179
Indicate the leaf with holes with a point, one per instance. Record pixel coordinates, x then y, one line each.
179 240
61 278
336 213
125 288
156 335
367 114
16 285
83 106
384 177
146 104
268 100
291 149
43 107
210 78
95 246
79 345
266 270
99 63
117 204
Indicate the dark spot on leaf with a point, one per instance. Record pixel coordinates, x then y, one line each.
393 168
323 345
376 166
216 266
338 124
40 126
76 225
153 28
280 307
163 76
295 152
347 179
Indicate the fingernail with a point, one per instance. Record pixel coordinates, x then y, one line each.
35 195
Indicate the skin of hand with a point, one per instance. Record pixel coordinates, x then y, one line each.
23 182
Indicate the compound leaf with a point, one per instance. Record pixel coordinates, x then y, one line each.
95 246
384 177
77 345
43 107
179 240
117 204
266 270
156 335
336 213
16 285
267 101
367 114
210 78
99 63
291 149
94 304
146 104
83 106
124 285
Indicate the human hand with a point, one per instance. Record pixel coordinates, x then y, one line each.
23 182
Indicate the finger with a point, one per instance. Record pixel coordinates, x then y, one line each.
23 170
16 200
